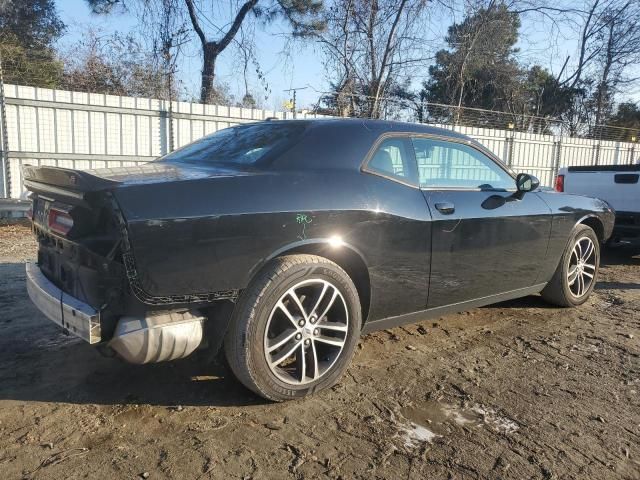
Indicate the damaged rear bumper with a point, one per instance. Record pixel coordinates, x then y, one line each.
154 337
66 311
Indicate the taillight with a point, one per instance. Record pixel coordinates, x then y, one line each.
559 183
59 221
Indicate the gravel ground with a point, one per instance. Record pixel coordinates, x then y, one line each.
517 390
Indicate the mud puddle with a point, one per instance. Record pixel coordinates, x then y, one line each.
429 420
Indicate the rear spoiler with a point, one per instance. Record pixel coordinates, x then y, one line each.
63 181
607 168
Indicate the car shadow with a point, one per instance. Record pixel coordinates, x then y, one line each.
617 286
38 362
532 301
620 256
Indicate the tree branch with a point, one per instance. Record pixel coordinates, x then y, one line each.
231 33
194 21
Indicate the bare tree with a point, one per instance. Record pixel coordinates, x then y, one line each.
114 64
608 34
169 33
339 44
373 46
301 16
211 49
620 37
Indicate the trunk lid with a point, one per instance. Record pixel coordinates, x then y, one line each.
74 183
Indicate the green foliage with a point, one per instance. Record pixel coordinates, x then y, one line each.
544 96
478 69
248 101
28 29
104 6
302 15
32 67
33 24
628 117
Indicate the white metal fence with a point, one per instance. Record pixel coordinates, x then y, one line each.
88 130
543 155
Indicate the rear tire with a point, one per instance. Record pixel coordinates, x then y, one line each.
576 275
294 329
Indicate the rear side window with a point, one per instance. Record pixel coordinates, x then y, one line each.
240 145
393 158
454 165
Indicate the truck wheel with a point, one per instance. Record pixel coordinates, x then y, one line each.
294 328
575 277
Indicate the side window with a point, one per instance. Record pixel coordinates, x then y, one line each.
393 158
448 164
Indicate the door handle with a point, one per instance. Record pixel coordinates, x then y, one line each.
626 178
446 208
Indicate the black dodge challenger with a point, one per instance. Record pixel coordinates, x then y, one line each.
283 241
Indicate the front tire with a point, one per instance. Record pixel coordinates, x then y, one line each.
575 277
294 328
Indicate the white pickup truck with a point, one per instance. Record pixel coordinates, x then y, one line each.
618 185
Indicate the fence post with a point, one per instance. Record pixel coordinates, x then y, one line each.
170 120
617 154
508 146
5 173
557 150
166 127
596 153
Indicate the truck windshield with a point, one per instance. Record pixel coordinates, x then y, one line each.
239 145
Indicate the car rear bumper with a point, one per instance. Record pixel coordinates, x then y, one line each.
66 311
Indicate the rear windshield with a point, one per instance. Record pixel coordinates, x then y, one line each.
239 145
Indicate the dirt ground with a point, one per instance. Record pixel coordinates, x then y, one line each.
517 390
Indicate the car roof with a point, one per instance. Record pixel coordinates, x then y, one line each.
380 126
345 142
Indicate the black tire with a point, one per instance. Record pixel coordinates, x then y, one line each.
559 291
246 339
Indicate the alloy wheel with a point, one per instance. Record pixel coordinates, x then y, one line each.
306 332
582 267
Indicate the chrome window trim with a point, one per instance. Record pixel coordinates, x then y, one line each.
479 148
364 166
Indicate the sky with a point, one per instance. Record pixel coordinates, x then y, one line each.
302 68
301 65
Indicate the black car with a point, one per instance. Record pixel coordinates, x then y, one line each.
284 241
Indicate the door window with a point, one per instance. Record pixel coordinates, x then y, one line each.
452 165
393 158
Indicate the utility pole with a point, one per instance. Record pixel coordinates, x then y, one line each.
293 100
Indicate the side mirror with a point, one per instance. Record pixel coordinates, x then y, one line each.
526 183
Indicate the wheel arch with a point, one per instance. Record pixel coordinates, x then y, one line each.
595 224
344 255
